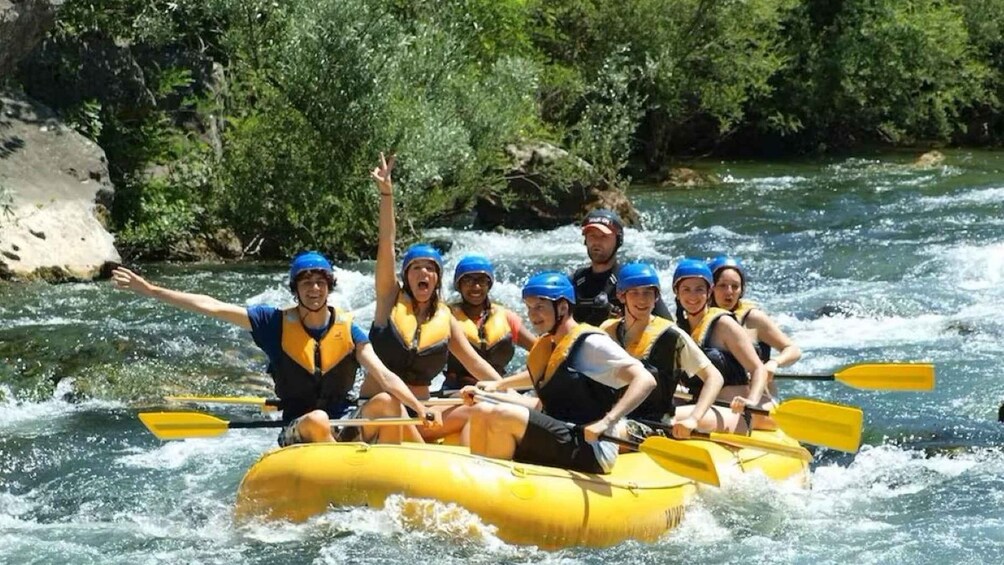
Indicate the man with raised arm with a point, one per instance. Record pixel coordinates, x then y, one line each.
314 352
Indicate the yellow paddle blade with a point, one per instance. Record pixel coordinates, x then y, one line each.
888 376
820 423
181 425
762 444
682 459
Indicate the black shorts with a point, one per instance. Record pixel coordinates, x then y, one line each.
554 443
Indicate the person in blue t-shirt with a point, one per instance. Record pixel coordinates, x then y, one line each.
314 353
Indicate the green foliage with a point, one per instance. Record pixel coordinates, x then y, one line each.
85 118
603 134
879 69
314 91
343 82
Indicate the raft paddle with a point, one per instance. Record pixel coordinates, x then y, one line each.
182 425
878 376
688 461
812 421
268 404
264 403
743 442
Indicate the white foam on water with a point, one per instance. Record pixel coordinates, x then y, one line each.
207 454
14 413
826 332
49 321
14 506
973 267
994 195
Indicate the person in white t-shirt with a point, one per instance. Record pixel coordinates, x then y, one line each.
585 385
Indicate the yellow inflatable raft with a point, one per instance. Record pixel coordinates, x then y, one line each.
528 504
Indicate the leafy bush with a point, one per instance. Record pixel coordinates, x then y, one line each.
342 82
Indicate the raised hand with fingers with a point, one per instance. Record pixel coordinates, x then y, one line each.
381 175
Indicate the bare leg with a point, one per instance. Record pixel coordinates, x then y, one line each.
315 427
759 421
506 429
477 427
454 420
716 419
382 405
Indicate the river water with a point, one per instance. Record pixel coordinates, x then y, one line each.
858 259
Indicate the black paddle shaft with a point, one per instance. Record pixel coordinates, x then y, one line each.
256 424
805 377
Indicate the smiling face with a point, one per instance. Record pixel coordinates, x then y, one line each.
728 289
474 288
599 245
540 311
693 294
312 290
423 279
640 301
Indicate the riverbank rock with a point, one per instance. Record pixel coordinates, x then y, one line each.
684 177
549 188
22 25
55 191
929 160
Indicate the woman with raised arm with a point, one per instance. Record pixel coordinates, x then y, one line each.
413 330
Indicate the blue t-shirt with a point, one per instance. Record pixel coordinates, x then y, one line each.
266 326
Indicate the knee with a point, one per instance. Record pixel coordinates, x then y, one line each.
481 412
502 418
382 404
315 425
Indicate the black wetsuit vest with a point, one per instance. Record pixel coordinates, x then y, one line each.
566 394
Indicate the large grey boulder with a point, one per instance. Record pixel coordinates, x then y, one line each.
22 25
57 195
549 188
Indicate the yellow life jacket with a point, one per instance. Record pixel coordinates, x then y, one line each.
640 348
493 341
702 331
732 371
416 353
743 309
314 373
742 312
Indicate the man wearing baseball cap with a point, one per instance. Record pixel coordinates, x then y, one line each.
596 283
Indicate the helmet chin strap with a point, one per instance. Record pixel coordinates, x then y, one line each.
558 319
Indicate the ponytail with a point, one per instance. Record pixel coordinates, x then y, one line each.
681 317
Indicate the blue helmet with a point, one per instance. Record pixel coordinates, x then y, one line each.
550 285
634 275
690 268
310 261
420 251
473 264
726 261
